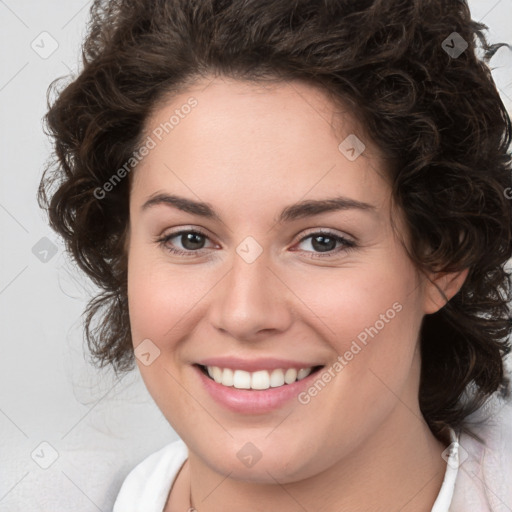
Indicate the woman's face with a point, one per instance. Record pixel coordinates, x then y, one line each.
255 286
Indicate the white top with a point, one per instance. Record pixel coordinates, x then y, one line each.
147 486
483 483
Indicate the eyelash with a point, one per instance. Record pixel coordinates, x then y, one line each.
347 244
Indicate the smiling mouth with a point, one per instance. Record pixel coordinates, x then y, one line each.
256 381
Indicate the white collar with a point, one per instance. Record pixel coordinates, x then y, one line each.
451 456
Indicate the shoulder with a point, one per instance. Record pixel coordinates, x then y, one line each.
148 484
485 468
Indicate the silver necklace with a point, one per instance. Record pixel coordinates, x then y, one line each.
191 508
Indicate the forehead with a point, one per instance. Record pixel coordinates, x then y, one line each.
257 143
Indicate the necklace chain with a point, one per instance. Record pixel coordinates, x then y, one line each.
191 508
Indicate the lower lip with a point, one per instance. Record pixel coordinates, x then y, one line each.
255 401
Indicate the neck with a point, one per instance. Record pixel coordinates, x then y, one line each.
399 468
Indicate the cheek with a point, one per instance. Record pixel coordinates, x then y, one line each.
354 303
159 298
370 316
160 295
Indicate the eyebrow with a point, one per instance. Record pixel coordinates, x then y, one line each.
302 209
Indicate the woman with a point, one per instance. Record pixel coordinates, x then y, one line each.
298 216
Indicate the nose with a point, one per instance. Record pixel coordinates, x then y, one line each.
252 301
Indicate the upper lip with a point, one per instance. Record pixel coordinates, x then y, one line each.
252 365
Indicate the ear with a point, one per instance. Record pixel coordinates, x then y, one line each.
447 283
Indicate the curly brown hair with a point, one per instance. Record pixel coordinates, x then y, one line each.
437 116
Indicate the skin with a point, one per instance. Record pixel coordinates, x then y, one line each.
249 151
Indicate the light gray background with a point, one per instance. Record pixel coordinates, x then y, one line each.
99 427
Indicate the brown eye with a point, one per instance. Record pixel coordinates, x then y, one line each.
324 243
192 242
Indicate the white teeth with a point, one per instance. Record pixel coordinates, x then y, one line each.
241 379
261 379
276 378
217 374
290 375
227 377
303 373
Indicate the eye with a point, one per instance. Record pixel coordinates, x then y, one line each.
192 240
325 242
